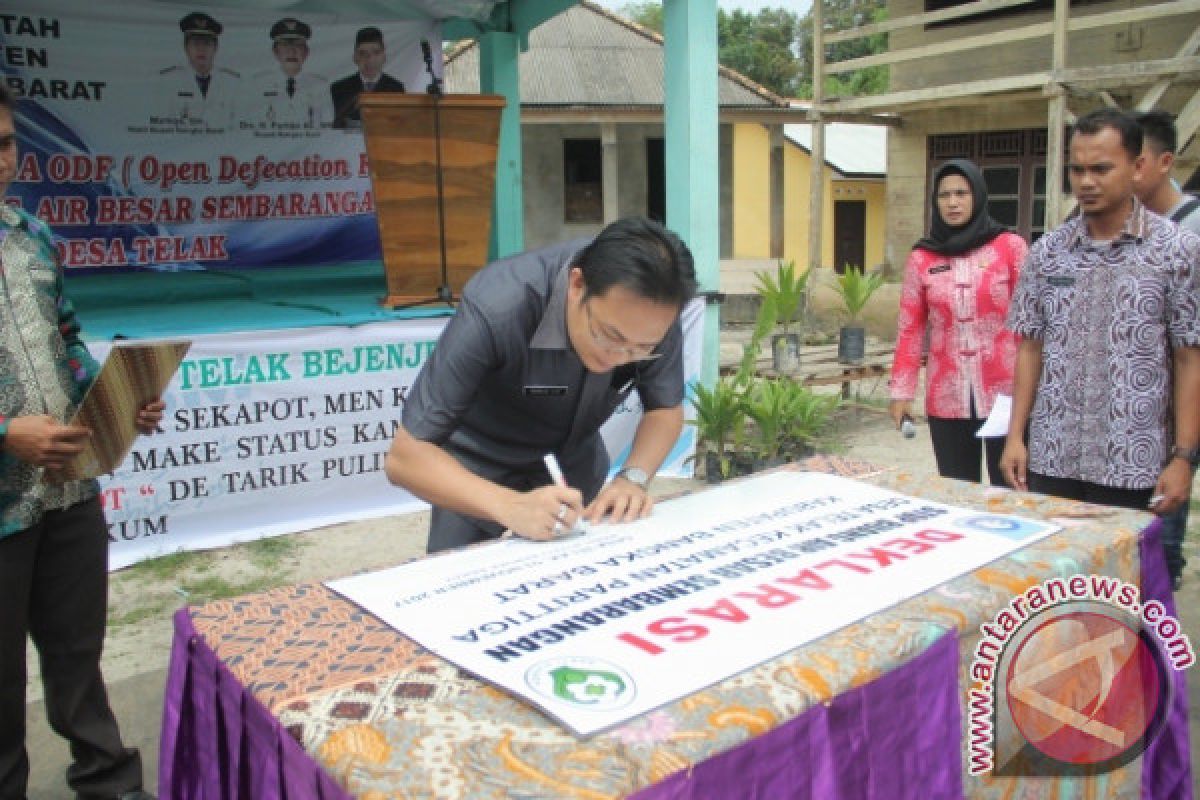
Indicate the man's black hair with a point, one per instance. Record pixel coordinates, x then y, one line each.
7 98
1159 127
1123 123
640 255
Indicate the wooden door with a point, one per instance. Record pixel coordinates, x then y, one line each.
849 234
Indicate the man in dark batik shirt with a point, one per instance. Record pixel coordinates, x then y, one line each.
1108 372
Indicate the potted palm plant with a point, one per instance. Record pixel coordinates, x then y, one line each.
720 419
854 287
768 403
785 291
809 418
789 419
764 323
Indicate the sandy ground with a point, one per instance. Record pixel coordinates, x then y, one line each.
143 599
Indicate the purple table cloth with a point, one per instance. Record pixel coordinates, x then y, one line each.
241 703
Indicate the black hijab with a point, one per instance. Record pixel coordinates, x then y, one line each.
979 229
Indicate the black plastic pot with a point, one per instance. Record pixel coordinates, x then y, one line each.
743 464
852 344
712 467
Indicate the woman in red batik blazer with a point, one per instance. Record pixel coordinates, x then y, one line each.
957 285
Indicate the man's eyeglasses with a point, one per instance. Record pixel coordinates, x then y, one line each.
611 344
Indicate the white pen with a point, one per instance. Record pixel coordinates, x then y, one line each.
556 473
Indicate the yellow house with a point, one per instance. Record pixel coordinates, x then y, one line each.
854 197
592 135
854 193
592 92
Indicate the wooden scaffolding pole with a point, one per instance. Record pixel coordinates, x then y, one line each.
817 154
1056 119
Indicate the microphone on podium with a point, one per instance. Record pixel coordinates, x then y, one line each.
435 83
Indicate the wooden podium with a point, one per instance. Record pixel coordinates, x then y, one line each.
402 149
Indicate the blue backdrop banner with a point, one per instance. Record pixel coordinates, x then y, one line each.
157 136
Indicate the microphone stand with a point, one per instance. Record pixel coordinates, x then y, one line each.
434 90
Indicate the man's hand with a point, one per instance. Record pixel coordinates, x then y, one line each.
1013 463
43 442
149 415
898 410
620 501
1174 486
543 513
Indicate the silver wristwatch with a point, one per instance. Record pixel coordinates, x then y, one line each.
1189 454
636 476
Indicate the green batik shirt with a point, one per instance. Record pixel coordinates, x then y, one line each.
44 366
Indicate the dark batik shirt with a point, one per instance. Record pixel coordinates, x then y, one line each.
1108 314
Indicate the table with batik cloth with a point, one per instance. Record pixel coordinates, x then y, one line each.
297 693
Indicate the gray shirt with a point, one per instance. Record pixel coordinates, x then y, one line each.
1108 314
504 385
1190 222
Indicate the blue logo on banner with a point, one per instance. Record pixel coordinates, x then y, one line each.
1013 528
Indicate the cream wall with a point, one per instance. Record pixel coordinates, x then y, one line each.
1108 45
751 210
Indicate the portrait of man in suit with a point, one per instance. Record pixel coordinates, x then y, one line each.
369 56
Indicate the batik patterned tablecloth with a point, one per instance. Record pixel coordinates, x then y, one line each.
876 709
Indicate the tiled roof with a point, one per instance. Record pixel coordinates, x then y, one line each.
588 56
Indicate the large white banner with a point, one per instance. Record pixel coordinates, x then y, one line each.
271 432
164 136
598 628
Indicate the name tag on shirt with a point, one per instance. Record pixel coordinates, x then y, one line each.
1061 281
542 390
623 378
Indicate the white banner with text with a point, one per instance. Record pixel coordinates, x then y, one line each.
598 628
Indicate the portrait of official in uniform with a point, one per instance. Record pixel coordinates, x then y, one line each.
287 96
369 56
198 93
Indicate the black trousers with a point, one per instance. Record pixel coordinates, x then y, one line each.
54 588
1090 492
1174 528
958 450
